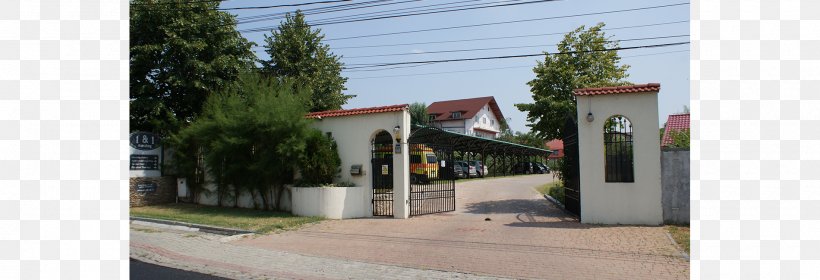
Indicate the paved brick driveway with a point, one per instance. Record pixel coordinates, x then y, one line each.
527 237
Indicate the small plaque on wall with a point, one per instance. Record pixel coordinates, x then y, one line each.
385 170
397 149
146 187
144 162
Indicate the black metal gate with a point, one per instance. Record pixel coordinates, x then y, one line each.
432 179
382 172
572 180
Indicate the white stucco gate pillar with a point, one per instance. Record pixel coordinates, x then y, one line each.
401 167
621 181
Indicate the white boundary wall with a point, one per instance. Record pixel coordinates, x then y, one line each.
620 203
354 134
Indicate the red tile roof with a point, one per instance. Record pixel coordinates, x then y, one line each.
467 107
558 145
651 87
674 122
358 111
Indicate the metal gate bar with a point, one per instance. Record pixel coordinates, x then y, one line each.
432 182
382 183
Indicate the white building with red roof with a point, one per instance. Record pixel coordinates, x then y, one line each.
473 116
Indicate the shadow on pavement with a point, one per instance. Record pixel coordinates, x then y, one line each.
529 213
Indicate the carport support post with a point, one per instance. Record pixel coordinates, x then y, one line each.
401 170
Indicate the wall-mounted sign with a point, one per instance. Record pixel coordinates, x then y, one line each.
385 170
144 141
146 187
144 162
397 149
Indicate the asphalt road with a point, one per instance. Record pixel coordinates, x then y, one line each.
141 270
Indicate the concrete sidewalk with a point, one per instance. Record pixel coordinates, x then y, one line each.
211 254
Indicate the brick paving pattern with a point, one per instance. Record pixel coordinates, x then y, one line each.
527 237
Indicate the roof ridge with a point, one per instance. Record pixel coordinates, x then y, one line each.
489 96
356 111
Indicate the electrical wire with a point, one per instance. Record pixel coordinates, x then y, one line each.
247 8
508 47
424 8
320 10
482 69
504 37
266 28
505 22
520 55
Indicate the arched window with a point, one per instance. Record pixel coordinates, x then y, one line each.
619 164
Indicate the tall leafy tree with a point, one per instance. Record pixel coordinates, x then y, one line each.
296 51
180 53
581 61
418 113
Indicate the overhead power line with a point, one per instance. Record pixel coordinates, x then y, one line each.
497 38
517 56
422 10
321 10
508 47
503 37
171 3
506 22
247 8
266 28
482 69
356 6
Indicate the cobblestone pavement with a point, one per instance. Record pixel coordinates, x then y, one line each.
526 237
215 255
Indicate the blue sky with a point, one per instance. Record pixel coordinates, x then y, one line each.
668 66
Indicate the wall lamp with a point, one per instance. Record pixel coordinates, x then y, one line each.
397 132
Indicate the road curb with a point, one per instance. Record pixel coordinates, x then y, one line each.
202 228
677 246
560 205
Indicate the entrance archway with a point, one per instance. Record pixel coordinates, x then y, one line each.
382 172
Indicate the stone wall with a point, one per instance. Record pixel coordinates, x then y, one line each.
165 193
675 185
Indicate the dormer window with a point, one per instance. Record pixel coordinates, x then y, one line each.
456 115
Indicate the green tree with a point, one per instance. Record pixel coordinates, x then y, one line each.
181 52
418 113
253 138
296 50
581 62
529 139
680 138
320 164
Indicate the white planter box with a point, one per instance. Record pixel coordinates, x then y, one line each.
331 202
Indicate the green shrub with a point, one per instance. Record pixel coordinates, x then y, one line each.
253 138
321 162
557 191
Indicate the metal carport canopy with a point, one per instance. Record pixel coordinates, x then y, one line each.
466 143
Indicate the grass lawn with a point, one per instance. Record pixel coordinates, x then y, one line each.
248 219
681 236
553 189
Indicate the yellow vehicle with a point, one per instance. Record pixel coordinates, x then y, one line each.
423 162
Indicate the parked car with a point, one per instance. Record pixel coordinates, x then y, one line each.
481 169
524 168
451 174
544 167
469 171
538 169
